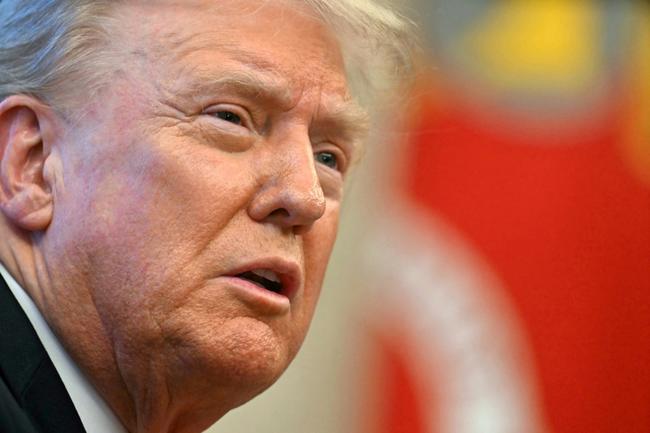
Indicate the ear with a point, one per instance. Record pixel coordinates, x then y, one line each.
26 129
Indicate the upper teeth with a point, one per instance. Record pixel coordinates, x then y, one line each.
266 273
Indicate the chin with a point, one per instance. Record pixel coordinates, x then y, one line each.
243 356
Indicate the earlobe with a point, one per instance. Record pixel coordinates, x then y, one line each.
25 196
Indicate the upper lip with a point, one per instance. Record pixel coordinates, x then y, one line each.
288 272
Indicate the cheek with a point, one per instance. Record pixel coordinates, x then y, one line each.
197 189
168 196
143 213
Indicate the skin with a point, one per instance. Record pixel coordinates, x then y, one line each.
224 142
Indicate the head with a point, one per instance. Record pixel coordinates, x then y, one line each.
172 174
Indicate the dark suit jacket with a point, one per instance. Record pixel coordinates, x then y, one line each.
32 396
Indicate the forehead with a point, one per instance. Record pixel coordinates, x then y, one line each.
283 37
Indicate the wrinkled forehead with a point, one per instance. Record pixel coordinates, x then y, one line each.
167 24
280 35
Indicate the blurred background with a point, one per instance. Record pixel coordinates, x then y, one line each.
492 273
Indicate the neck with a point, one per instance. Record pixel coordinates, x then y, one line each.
20 255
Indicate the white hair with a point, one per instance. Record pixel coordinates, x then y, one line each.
49 46
52 49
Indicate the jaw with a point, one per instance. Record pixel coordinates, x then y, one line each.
188 385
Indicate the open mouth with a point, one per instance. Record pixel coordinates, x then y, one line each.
263 278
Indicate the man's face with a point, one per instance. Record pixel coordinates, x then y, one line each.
199 197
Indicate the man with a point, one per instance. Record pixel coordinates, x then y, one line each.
171 176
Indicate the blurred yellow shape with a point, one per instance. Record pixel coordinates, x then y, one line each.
538 44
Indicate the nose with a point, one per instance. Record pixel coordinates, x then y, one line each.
290 195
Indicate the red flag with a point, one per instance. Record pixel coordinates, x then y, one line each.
514 263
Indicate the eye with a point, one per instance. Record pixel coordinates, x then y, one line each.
328 159
228 116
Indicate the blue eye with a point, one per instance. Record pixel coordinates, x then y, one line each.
328 159
229 116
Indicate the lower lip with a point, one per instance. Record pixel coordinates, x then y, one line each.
258 297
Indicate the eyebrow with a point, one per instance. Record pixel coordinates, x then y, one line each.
255 77
252 85
352 121
346 116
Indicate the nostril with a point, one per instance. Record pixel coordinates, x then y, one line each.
280 213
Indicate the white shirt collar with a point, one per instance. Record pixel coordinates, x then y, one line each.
95 414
